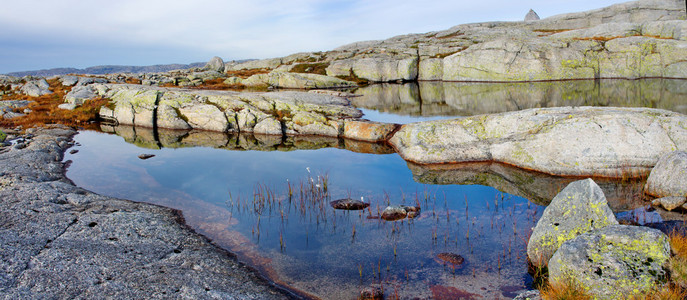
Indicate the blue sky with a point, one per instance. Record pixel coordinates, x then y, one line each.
41 34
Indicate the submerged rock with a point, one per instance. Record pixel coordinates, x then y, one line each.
579 208
614 262
450 259
372 292
349 204
146 156
669 176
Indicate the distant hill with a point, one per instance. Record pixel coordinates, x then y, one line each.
99 70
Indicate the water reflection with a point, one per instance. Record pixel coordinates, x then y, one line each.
429 99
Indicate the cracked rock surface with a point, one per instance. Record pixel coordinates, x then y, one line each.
59 241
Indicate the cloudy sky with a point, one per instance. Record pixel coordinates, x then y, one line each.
40 34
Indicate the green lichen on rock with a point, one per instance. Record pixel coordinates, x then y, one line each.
613 262
3 136
579 208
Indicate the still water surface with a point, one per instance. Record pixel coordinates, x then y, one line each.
235 190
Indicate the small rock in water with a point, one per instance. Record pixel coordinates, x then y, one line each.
146 156
451 259
372 292
399 212
73 151
349 204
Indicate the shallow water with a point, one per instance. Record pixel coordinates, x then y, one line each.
235 190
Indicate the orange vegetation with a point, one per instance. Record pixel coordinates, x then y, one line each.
245 73
44 110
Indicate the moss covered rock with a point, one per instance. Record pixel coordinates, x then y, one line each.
577 209
614 262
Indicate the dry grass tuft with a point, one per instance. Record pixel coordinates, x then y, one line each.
569 289
314 68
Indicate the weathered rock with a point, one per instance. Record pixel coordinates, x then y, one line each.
215 64
377 69
349 204
614 262
79 94
531 16
669 203
146 156
669 176
368 131
268 126
583 141
69 80
205 116
168 117
36 88
579 208
296 81
372 292
67 106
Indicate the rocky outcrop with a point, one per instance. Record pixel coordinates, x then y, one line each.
531 16
579 208
296 81
614 262
61 241
669 176
583 141
279 113
215 64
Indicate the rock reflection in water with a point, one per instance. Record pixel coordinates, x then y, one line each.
166 138
473 98
539 188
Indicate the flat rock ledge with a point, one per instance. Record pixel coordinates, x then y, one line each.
63 242
565 141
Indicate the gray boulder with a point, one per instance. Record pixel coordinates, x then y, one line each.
69 80
36 88
79 94
580 141
614 262
669 176
531 16
215 64
297 81
579 208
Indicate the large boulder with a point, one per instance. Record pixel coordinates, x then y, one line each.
614 262
377 69
580 141
215 64
669 176
579 208
531 16
297 81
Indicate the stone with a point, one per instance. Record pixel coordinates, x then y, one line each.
450 259
580 207
368 131
215 64
399 212
36 88
580 141
349 204
614 262
79 94
531 16
529 295
69 80
296 81
146 156
205 116
168 117
67 106
372 292
669 176
268 126
670 203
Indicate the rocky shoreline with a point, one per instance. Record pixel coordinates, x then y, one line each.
61 241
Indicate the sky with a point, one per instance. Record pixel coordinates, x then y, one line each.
43 34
